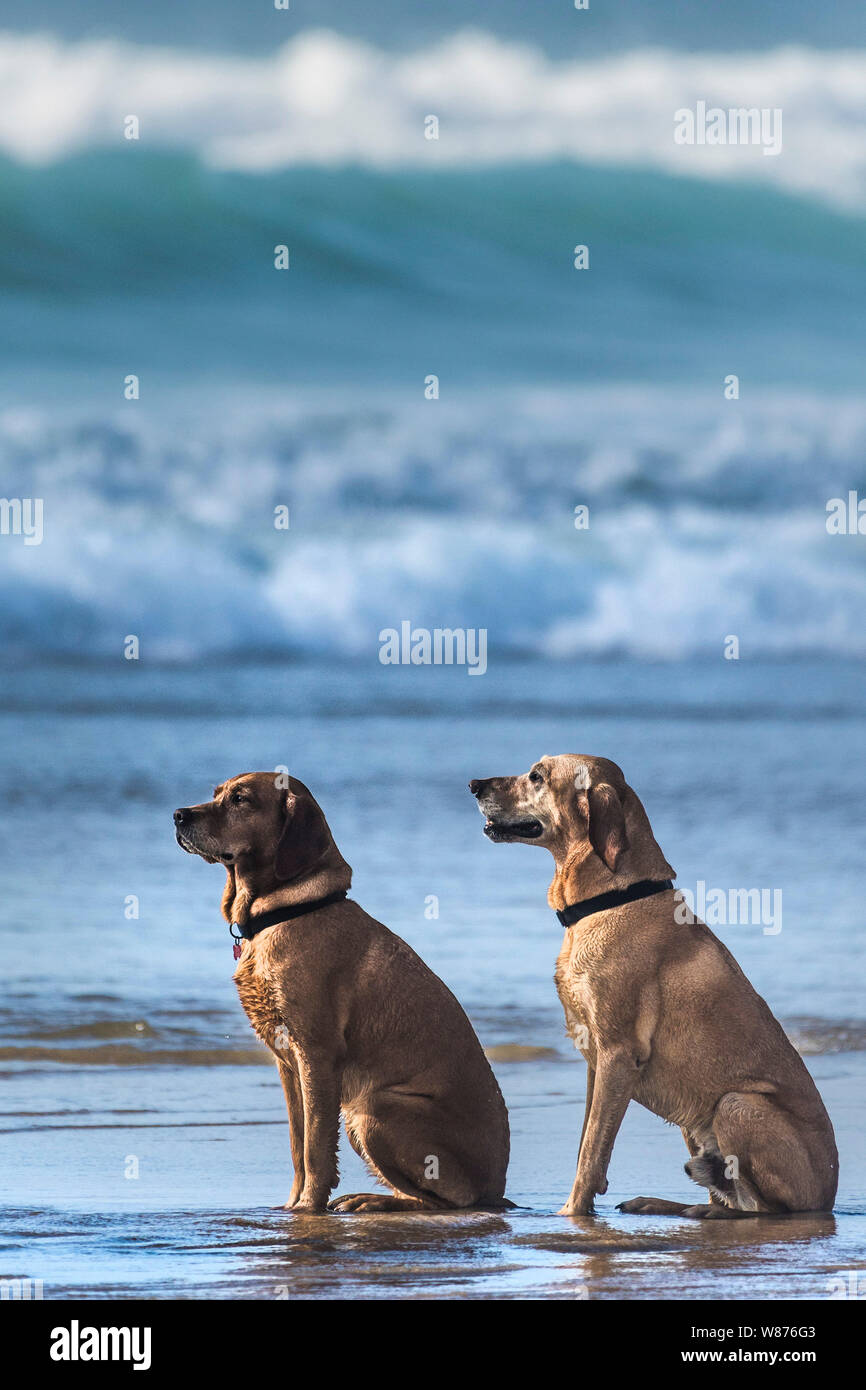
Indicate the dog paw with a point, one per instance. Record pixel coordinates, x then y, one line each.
361 1201
652 1206
372 1201
343 1203
636 1206
712 1211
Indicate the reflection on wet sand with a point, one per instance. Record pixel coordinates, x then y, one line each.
372 1255
614 1260
201 1220
480 1256
274 1254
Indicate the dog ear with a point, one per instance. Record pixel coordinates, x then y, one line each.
607 833
305 838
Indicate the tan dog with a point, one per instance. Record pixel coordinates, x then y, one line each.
659 1007
354 1017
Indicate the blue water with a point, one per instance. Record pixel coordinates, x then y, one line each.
749 775
151 262
707 519
228 25
415 260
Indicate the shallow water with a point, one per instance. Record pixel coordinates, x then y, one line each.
202 1218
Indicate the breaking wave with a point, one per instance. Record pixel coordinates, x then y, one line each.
325 99
703 522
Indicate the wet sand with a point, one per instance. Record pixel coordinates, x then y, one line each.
201 1220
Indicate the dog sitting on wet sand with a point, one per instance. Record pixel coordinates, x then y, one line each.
659 1007
356 1020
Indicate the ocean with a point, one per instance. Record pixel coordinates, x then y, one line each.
424 401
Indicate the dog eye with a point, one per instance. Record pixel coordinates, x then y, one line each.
535 777
238 799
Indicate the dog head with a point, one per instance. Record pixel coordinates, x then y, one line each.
577 807
257 823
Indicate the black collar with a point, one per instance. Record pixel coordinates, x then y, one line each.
282 914
617 898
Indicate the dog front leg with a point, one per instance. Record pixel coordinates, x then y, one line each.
611 1090
320 1079
590 1085
295 1106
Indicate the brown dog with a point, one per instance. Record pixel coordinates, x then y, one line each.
659 1007
354 1017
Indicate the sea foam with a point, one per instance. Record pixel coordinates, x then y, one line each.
324 99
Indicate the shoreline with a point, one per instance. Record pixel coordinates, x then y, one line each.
203 1218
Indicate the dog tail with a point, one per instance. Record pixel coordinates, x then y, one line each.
708 1170
497 1204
